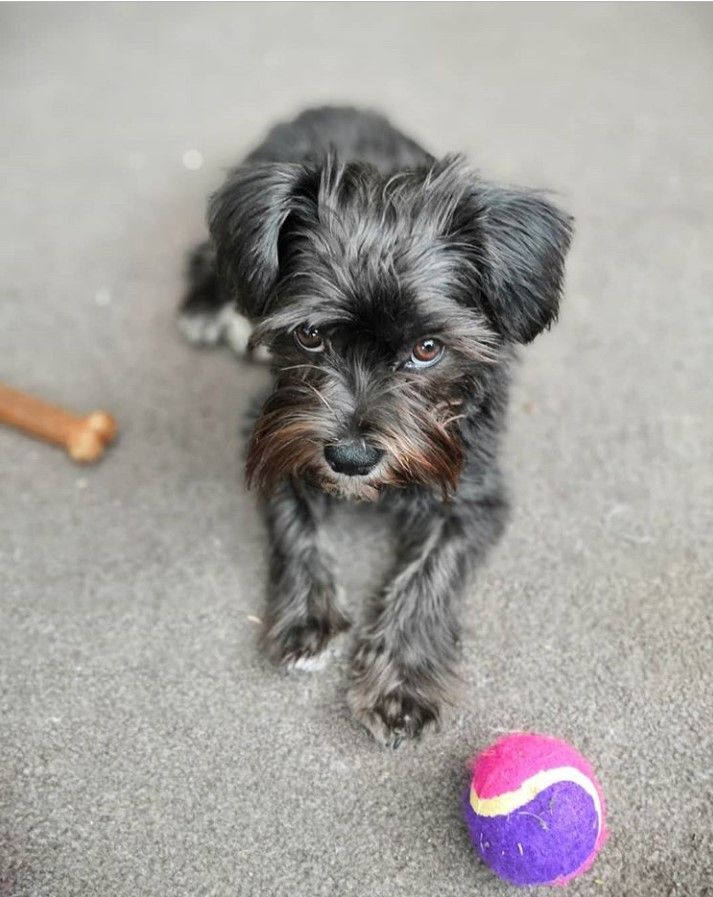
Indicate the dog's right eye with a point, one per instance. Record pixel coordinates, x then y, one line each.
309 338
425 353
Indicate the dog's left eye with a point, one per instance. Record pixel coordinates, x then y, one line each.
426 352
309 338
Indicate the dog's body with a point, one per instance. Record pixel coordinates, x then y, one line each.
391 289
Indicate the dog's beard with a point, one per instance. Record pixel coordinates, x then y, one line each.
422 445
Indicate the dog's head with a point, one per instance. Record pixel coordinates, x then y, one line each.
384 301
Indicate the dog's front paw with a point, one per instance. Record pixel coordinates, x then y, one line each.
214 326
300 643
390 700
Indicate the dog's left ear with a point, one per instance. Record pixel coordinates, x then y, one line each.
522 243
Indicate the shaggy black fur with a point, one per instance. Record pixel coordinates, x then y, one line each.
347 245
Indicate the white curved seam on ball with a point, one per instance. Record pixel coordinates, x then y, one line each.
509 801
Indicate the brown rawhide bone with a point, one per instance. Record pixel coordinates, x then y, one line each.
84 438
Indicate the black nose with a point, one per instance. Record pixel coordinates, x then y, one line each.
352 458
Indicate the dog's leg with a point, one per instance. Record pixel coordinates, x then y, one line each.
403 660
303 611
205 317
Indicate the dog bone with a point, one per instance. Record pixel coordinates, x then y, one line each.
84 438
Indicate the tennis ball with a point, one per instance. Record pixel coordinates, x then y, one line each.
535 810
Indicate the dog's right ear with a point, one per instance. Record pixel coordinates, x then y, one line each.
246 217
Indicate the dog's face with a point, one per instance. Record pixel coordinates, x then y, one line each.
384 302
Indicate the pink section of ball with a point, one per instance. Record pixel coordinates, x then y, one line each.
505 765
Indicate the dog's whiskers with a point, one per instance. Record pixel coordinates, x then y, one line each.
294 367
455 417
320 396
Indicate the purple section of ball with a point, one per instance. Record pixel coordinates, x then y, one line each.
546 839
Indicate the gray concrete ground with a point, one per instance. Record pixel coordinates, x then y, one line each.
146 748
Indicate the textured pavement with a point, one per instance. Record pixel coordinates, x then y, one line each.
145 746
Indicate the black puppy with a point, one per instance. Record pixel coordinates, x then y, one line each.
391 288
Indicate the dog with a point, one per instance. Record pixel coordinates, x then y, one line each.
392 289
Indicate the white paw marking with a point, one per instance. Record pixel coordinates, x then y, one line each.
316 662
212 328
311 664
262 354
236 331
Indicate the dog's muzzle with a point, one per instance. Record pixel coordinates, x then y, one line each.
353 458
